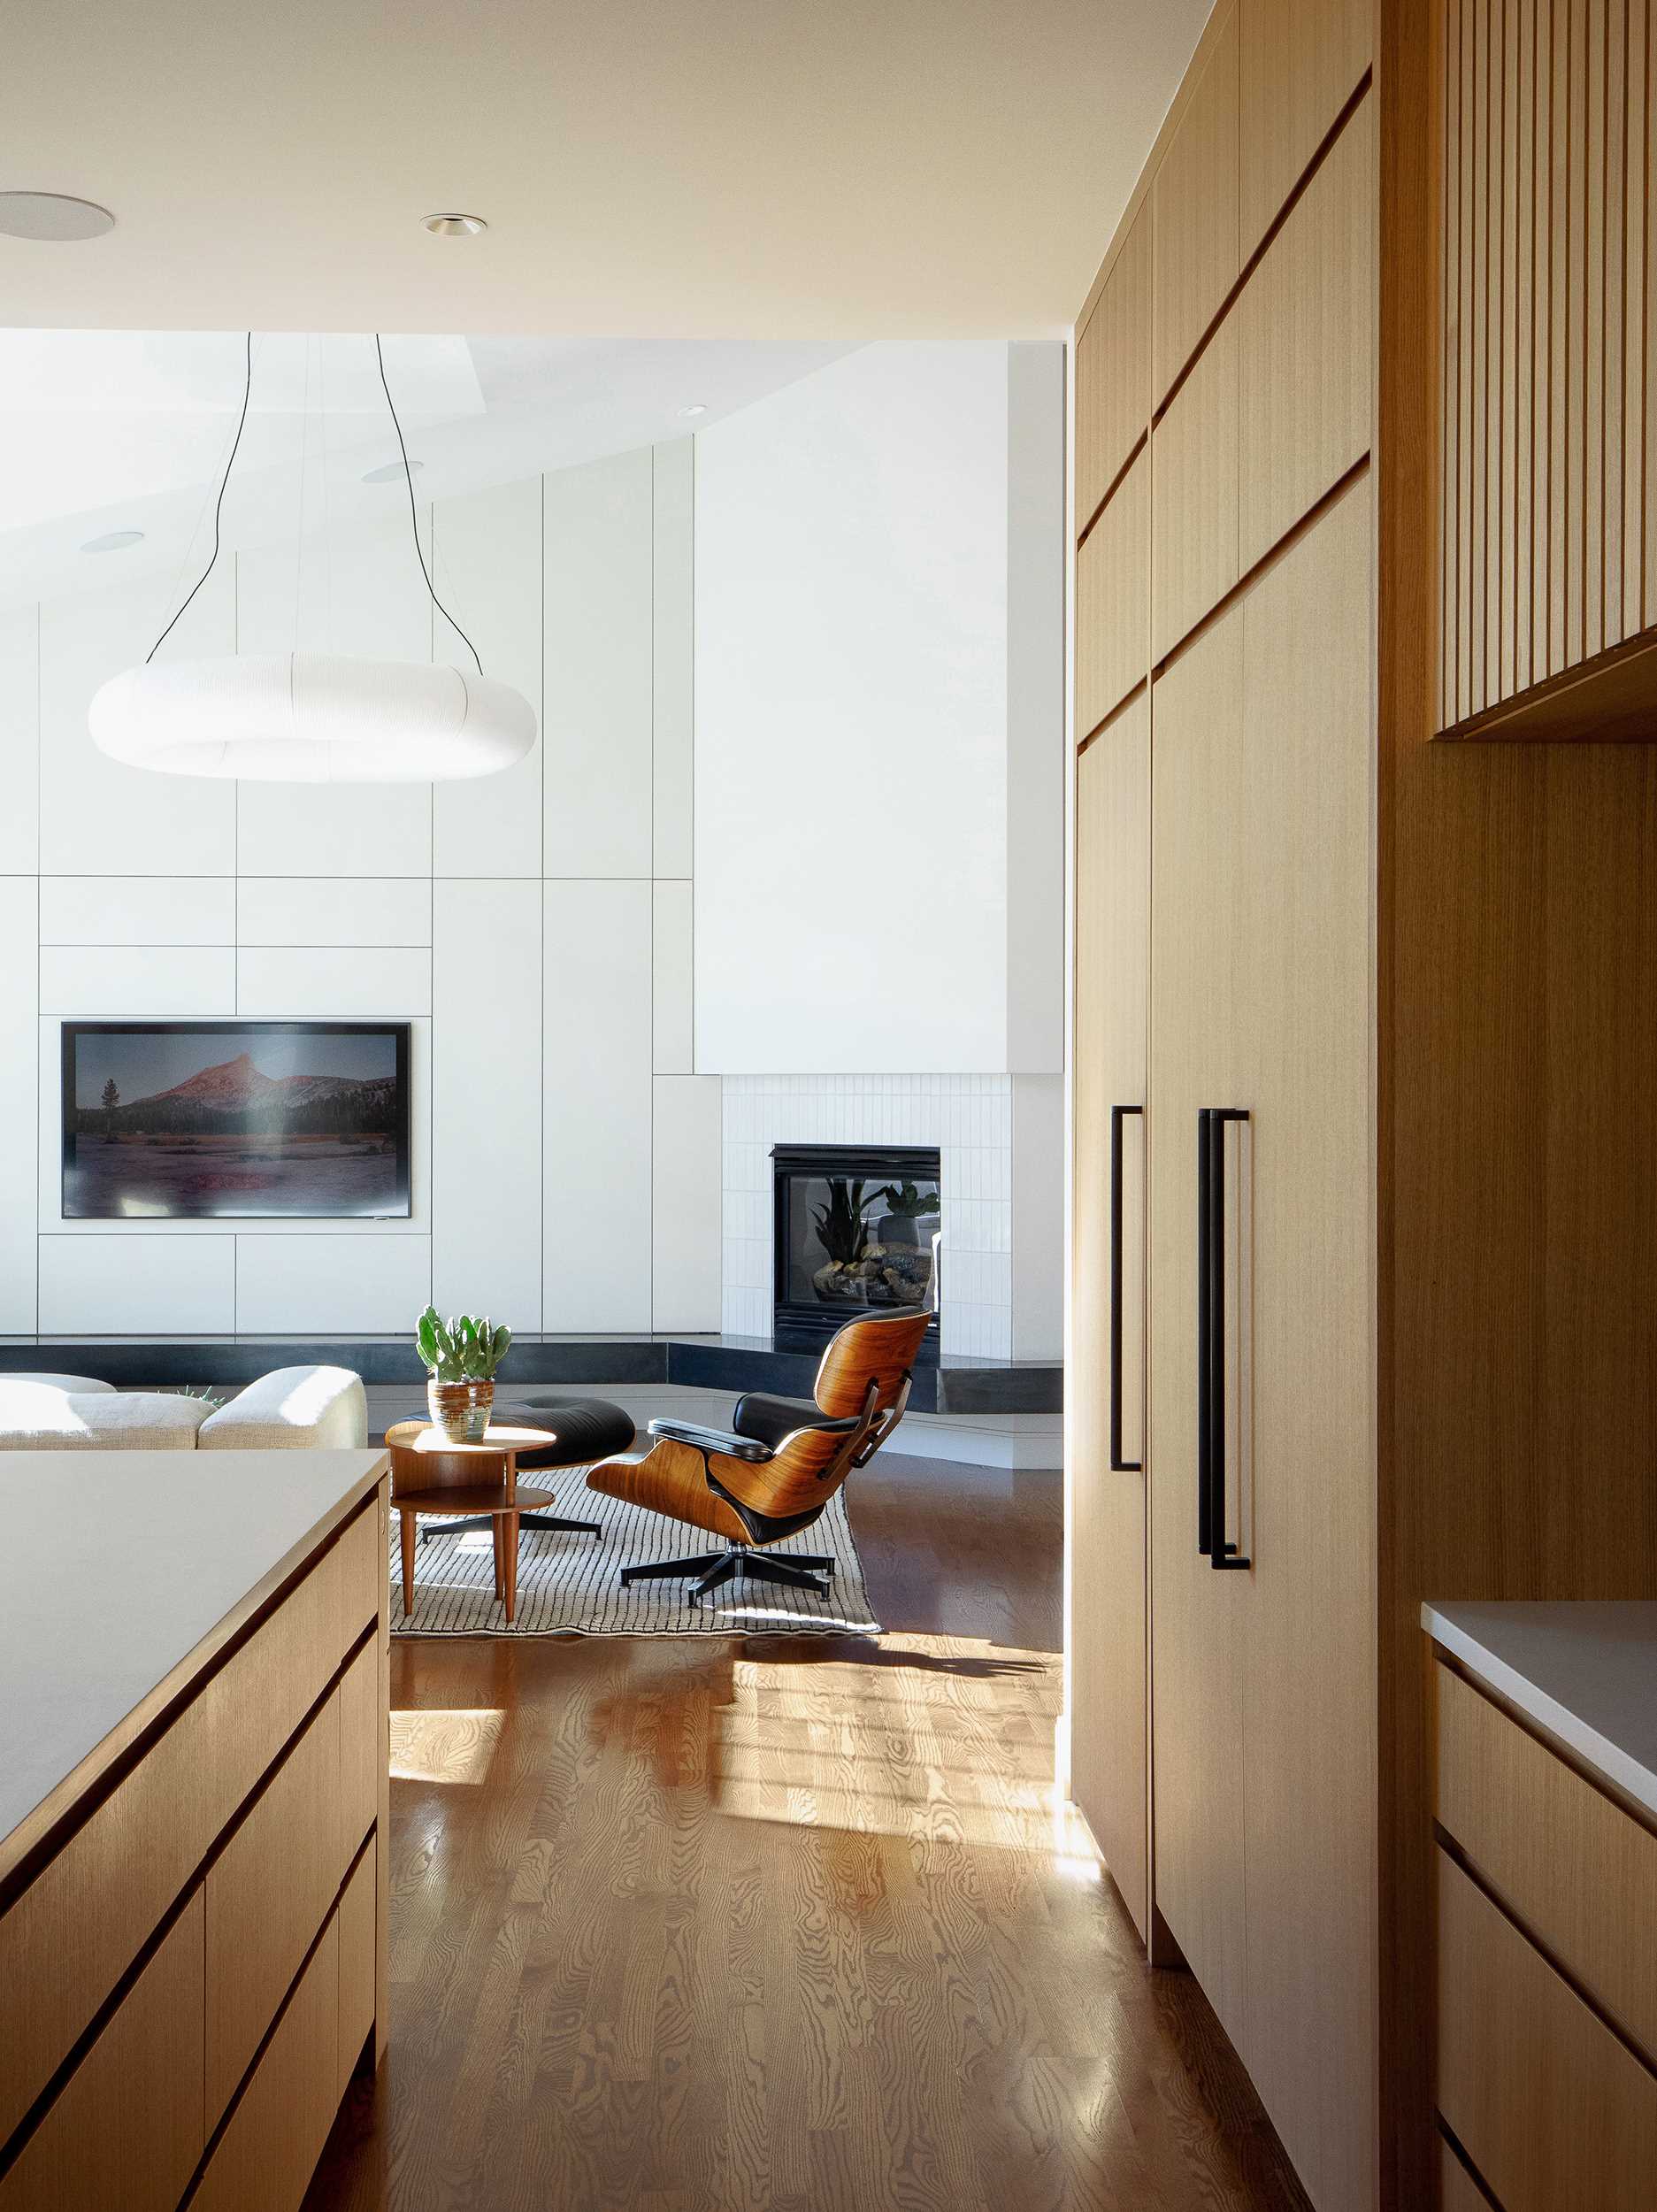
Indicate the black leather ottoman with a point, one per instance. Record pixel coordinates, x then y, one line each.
580 1431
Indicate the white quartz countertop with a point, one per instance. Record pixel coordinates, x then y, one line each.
1585 1671
115 1566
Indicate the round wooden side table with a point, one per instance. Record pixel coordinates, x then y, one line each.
431 1474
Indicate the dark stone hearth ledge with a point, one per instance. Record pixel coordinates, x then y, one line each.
702 1362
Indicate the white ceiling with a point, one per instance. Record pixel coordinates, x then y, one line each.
107 430
742 168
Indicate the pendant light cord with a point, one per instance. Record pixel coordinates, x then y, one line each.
219 508
414 518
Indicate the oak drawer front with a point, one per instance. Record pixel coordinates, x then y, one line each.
1113 600
127 2127
265 2158
75 1930
268 1892
358 1964
365 1749
1549 2106
1575 1869
363 1564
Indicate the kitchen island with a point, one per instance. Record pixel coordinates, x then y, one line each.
193 1808
1545 1720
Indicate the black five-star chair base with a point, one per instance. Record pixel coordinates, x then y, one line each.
712 1568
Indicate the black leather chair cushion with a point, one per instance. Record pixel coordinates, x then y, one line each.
579 1431
769 1420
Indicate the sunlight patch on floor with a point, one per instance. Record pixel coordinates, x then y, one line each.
934 1739
454 1746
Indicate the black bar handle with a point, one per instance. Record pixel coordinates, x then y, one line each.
1205 1323
1211 1537
1118 1465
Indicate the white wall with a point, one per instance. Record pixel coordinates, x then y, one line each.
533 927
879 718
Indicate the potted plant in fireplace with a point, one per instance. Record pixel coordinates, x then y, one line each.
461 1356
902 1243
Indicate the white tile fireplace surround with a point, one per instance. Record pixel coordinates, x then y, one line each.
1001 1138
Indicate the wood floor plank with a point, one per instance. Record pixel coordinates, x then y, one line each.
786 1923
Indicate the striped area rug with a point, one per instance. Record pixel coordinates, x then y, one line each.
569 1585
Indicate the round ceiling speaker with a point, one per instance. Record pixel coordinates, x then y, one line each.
53 218
311 717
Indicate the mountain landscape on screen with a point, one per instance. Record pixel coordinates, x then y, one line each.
297 1122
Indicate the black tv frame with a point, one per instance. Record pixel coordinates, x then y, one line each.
73 1030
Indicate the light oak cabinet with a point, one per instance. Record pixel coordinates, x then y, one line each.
221 1861
1546 1992
1194 205
1113 371
1107 1643
1391 1347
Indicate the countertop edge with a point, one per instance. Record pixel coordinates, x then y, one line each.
39 1822
1607 1759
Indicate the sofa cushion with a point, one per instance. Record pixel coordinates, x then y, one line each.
293 1410
36 1417
83 1386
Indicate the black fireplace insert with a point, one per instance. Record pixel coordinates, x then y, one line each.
857 1230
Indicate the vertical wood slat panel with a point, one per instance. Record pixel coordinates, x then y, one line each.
1637 185
1559 420
1496 300
1508 577
1479 414
1593 338
1541 442
1468 167
1576 333
1524 344
1612 627
1449 308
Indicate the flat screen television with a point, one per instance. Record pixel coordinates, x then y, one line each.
243 1121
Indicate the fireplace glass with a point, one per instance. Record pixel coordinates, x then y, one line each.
855 1231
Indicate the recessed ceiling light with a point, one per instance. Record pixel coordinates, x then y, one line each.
392 472
455 226
113 542
699 409
52 215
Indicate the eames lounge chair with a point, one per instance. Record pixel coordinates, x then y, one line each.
772 1474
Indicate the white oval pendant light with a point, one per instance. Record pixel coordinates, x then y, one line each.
311 717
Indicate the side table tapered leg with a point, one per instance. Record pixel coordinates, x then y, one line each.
495 1526
406 1530
509 1526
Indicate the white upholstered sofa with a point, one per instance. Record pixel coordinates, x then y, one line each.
293 1409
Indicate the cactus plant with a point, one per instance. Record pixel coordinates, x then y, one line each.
461 1349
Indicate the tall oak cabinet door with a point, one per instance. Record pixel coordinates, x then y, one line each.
1303 1021
1110 1750
1197 1690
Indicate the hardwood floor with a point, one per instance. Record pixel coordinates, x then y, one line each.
783 1922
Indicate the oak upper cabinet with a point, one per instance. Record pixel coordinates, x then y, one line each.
1113 366
1113 600
1193 201
1109 1749
1299 62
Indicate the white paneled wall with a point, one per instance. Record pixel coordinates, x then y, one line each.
565 1159
19 1089
992 1187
